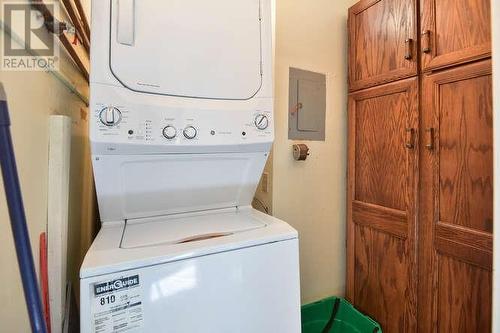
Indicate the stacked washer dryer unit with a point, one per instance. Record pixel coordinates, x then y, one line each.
181 127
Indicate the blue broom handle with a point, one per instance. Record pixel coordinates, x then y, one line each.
18 221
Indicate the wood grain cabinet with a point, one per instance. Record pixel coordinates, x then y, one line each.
456 200
420 165
382 42
383 157
454 31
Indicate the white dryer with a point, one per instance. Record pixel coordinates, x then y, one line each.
181 127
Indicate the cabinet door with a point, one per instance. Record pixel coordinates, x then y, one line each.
456 201
454 31
381 277
382 45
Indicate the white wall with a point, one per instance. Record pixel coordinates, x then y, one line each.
310 195
496 133
32 98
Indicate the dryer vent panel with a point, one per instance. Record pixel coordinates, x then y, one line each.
307 105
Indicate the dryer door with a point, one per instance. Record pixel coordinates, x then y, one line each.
189 48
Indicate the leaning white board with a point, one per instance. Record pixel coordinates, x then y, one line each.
57 216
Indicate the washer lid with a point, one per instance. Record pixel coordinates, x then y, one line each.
189 48
186 229
107 255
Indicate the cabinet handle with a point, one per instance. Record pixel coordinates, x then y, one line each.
408 48
410 138
430 138
426 41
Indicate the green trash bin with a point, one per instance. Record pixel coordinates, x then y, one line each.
346 319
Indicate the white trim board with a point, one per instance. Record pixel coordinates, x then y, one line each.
57 216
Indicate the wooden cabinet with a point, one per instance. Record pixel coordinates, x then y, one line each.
420 177
382 42
454 31
383 123
456 200
383 37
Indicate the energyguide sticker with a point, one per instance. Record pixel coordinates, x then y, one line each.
117 305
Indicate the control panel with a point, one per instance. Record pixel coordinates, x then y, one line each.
121 124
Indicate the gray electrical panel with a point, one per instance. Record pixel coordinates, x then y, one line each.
307 105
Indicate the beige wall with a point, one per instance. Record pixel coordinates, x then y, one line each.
310 195
32 98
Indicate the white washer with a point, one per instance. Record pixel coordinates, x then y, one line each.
181 128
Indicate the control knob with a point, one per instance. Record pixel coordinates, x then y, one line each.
110 116
169 132
190 132
261 121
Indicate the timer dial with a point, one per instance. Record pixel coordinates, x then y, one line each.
110 116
